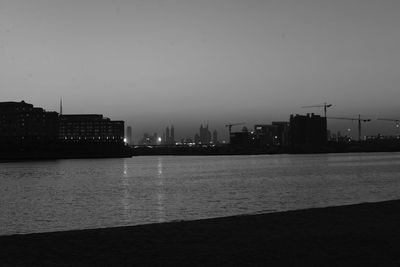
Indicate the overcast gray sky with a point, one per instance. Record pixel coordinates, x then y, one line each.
186 62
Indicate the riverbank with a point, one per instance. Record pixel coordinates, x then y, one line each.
363 234
38 156
226 149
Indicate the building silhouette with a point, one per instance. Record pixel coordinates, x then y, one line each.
24 128
172 137
167 136
264 137
87 135
282 133
215 137
308 130
204 136
31 132
243 139
265 134
90 128
275 134
150 140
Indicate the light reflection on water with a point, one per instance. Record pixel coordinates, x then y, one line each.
126 195
76 194
160 192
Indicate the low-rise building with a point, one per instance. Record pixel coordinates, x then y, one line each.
90 128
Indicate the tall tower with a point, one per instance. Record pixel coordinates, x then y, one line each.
172 141
167 138
208 135
60 105
201 134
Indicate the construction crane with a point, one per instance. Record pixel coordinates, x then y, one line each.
395 120
353 119
325 106
230 128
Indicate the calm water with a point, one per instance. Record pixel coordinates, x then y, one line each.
76 194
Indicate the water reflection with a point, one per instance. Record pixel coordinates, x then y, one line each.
125 193
76 194
160 192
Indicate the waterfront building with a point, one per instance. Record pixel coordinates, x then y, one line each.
309 130
24 127
243 139
282 133
90 128
275 134
265 134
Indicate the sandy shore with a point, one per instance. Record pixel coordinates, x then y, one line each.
364 234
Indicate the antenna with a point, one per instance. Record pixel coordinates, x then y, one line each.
61 106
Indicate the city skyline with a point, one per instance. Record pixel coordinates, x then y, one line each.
347 127
153 63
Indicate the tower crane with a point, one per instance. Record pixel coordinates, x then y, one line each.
395 120
230 128
353 119
325 106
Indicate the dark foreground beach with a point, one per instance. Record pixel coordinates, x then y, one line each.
363 234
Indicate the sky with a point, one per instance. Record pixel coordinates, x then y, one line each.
154 63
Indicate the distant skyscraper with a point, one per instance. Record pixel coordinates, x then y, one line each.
172 137
167 137
129 140
204 135
215 137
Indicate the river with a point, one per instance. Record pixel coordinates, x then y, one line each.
43 196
